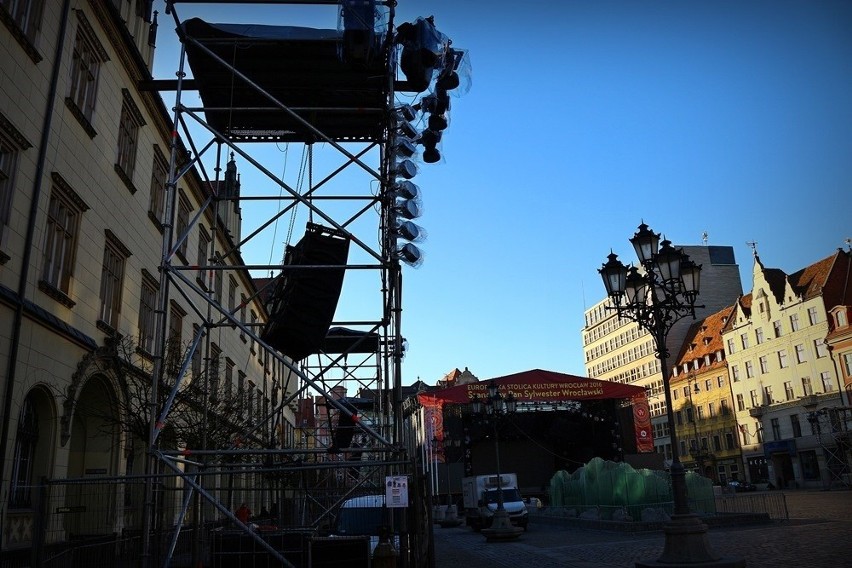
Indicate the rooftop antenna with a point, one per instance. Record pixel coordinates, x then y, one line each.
848 242
704 237
753 246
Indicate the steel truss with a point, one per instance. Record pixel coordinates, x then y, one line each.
376 371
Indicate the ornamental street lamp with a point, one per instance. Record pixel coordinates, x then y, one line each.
449 518
655 295
491 410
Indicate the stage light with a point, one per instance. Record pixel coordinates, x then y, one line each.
404 147
406 112
438 122
431 155
405 169
410 255
410 231
408 208
404 127
405 190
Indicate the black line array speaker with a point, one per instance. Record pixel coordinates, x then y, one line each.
305 295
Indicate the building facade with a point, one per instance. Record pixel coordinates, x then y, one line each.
781 371
620 351
84 164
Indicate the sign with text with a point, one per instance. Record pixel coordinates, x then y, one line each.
396 491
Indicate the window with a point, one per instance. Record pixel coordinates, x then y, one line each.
112 280
788 390
782 358
253 329
806 386
801 357
229 380
203 249
685 391
753 395
767 395
749 369
147 307
847 364
232 295
729 441
700 412
735 373
797 428
717 443
776 429
810 465
675 395
812 316
25 455
731 346
159 177
690 415
11 143
764 364
85 70
758 335
63 228
740 402
175 340
213 372
128 132
241 390
820 348
217 283
720 381
825 377
182 224
26 15
744 340
776 328
711 409
723 407
679 417
794 322
708 384
243 316
840 318
196 355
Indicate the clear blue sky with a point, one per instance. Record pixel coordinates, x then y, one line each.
584 118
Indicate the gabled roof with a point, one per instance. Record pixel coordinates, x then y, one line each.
809 281
705 337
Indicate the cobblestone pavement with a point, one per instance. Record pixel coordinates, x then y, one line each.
818 534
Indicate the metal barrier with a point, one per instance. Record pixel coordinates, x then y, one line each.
772 503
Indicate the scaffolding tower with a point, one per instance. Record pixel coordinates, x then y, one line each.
334 302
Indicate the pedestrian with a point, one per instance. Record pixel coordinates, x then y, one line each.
243 514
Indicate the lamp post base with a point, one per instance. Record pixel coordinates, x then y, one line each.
687 545
450 518
501 528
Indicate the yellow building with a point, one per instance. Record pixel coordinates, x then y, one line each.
84 160
701 395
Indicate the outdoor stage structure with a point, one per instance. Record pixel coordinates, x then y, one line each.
562 421
367 104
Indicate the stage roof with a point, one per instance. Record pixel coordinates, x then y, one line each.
537 385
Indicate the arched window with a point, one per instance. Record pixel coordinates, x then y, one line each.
25 447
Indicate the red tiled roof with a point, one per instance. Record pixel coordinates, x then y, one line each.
705 337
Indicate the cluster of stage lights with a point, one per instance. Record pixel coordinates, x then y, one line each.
406 201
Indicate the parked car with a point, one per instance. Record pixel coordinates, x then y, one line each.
741 486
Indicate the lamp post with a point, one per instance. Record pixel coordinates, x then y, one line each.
491 410
449 518
655 295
